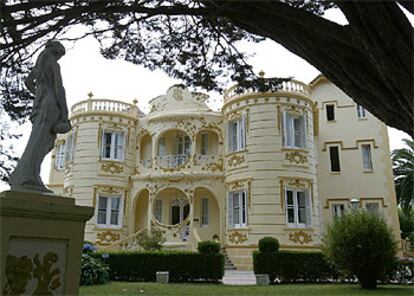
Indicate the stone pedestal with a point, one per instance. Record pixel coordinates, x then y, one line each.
162 277
41 243
262 279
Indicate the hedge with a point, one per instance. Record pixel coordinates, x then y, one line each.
293 267
182 266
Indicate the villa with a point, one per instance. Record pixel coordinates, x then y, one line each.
279 164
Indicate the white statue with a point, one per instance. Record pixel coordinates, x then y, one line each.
49 117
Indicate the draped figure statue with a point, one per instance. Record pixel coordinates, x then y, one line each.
49 117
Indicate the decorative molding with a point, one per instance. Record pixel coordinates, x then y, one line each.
235 160
237 237
357 142
214 166
300 237
107 237
237 185
112 167
297 157
315 113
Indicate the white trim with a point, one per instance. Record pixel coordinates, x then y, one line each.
113 150
295 207
108 210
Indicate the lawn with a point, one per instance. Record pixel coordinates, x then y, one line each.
126 288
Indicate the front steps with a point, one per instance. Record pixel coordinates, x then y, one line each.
228 265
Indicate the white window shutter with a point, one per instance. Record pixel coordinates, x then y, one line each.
308 208
243 132
228 136
230 209
121 147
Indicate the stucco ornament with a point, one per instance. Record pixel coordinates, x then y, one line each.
49 117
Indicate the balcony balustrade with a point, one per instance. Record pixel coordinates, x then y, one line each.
202 159
292 86
172 161
146 162
103 105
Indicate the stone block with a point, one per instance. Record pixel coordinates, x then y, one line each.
41 243
163 277
262 279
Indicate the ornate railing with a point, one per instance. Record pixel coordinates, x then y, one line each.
128 243
293 86
200 159
104 105
146 162
172 161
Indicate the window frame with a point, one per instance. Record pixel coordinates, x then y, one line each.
242 209
368 161
371 202
108 211
238 134
330 160
113 147
204 212
333 113
342 211
361 112
289 133
295 207
204 144
70 147
60 156
158 206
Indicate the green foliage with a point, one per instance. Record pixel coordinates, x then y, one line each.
403 168
182 266
294 267
208 247
268 244
93 270
361 244
153 241
406 223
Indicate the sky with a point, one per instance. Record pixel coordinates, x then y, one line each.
84 70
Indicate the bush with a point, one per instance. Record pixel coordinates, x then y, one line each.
406 223
361 244
183 266
294 267
268 244
93 270
153 241
208 247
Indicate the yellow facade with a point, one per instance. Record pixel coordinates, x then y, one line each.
260 167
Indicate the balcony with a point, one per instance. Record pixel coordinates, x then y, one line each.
292 86
172 161
104 105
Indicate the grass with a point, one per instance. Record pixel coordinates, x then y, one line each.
127 288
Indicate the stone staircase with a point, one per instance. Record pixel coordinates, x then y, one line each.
228 265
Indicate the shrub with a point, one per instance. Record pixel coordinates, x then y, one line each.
93 270
208 247
406 223
361 244
153 241
293 267
182 266
268 244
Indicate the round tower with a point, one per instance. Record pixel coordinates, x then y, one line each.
100 157
270 173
